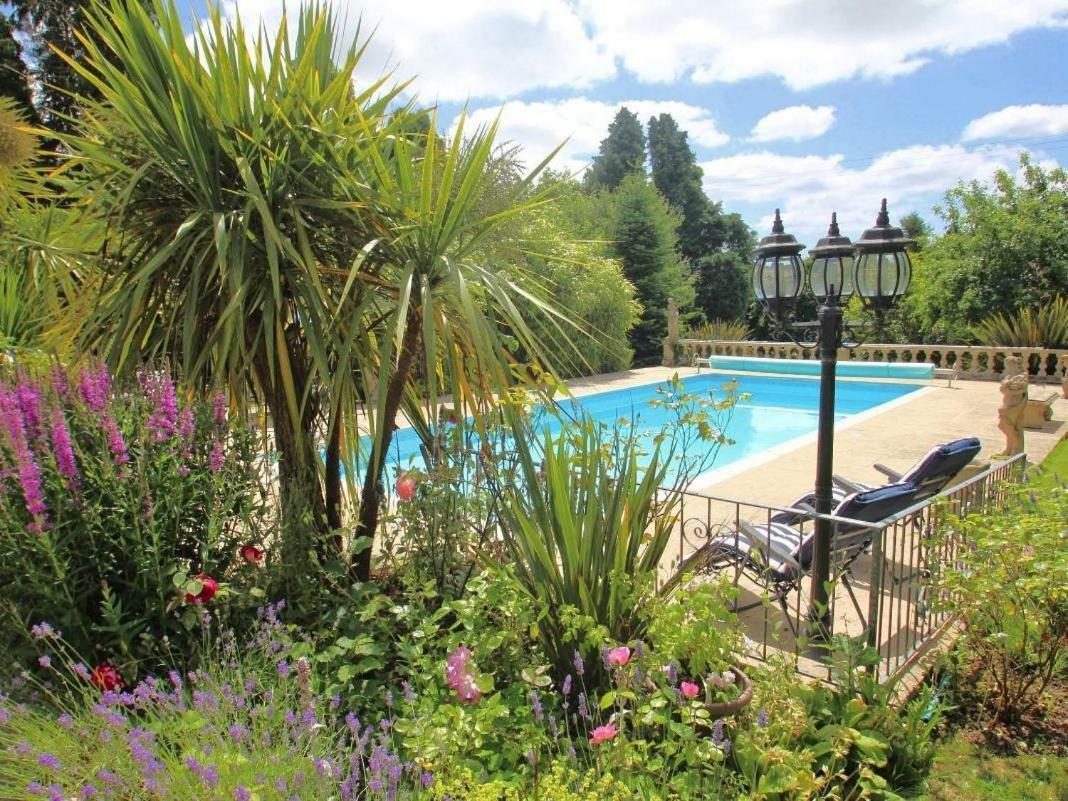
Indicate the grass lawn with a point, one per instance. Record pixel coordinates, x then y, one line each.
1054 466
965 771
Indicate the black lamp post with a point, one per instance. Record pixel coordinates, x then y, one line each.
880 276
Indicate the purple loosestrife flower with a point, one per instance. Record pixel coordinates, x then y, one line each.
95 387
62 450
29 401
28 472
60 385
163 419
218 409
217 457
116 444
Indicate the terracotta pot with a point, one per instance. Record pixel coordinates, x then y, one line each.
722 709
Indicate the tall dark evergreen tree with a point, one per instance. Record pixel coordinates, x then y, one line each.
716 244
50 25
643 236
622 152
676 174
13 69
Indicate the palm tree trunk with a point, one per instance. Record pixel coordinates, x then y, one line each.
372 492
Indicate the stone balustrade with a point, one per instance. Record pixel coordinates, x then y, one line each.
970 361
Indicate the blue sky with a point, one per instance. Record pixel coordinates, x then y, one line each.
806 105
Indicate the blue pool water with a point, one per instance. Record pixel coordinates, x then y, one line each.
778 410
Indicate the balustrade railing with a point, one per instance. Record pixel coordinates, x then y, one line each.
883 589
969 361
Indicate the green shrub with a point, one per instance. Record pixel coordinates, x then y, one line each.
589 513
1046 327
1009 585
114 501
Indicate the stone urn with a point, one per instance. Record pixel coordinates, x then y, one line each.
722 709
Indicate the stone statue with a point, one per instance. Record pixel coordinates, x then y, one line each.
673 333
1014 365
1012 411
1062 362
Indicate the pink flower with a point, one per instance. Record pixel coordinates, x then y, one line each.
460 676
218 408
251 554
217 457
11 421
689 689
61 448
604 733
618 657
208 586
406 486
187 425
163 419
95 386
116 443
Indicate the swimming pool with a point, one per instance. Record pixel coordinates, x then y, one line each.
777 411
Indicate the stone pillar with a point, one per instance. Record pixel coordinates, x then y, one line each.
1062 363
673 333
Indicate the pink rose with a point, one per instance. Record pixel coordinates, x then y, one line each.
406 486
251 554
603 733
618 657
689 689
106 677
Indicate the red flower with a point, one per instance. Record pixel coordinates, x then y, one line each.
406 486
208 586
106 677
251 554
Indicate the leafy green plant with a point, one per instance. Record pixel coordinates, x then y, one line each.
589 513
1044 327
696 627
1009 585
119 505
725 330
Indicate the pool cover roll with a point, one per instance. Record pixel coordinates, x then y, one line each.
812 367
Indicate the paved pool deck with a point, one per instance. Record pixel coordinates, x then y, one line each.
896 434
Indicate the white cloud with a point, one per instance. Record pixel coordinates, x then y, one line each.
1015 122
468 48
804 42
541 126
503 48
795 123
809 188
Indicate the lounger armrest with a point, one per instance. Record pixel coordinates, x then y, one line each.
849 486
760 541
893 475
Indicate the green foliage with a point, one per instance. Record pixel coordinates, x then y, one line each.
675 174
1045 327
1009 585
723 286
725 330
122 500
643 237
916 228
696 628
622 153
303 242
588 516
1005 249
580 279
845 741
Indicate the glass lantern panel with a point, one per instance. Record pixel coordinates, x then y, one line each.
867 275
789 276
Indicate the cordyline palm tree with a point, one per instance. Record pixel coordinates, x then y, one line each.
302 241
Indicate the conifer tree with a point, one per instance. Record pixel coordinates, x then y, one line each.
622 152
643 235
13 70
